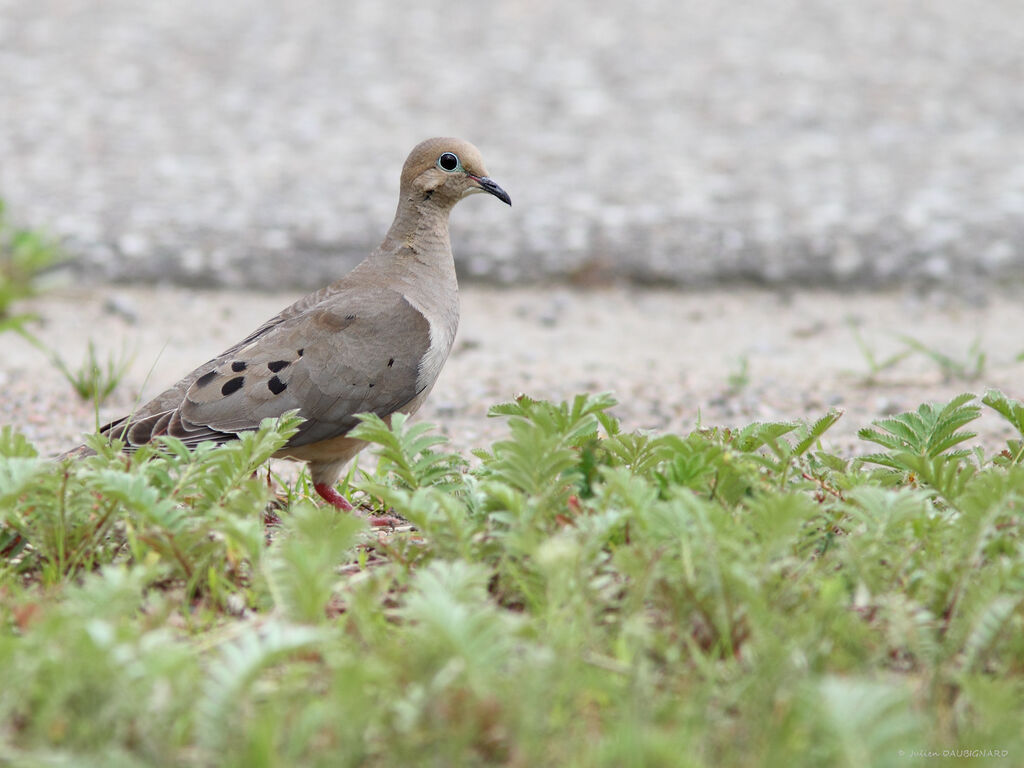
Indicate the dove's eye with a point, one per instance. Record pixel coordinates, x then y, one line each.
449 161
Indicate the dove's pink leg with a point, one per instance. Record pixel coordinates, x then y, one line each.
332 497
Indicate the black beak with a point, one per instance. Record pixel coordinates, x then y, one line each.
488 184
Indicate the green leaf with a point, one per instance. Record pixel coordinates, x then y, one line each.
407 453
18 474
15 445
301 566
930 431
871 722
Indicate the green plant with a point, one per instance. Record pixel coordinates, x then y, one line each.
876 365
95 380
577 595
929 432
197 513
739 377
24 253
970 369
407 452
1013 412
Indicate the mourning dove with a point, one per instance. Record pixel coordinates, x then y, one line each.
373 341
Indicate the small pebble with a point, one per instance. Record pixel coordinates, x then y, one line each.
122 306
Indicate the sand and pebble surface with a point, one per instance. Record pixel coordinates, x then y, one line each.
673 359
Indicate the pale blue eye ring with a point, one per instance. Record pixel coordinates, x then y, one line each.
449 162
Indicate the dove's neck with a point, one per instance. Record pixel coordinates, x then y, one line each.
422 221
417 248
416 256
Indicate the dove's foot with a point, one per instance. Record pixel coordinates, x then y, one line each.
332 497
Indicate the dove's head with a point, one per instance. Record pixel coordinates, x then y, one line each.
444 171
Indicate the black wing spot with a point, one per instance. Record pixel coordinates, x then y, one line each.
350 317
300 351
371 385
277 365
232 386
206 378
391 362
239 365
276 386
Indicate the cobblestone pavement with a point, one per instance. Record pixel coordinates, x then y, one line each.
791 142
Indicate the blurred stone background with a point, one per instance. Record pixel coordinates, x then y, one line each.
875 143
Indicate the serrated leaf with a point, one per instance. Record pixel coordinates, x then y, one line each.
930 431
817 429
15 444
17 475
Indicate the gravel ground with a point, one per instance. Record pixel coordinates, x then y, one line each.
790 142
673 359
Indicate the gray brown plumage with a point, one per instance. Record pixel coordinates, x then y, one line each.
373 341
